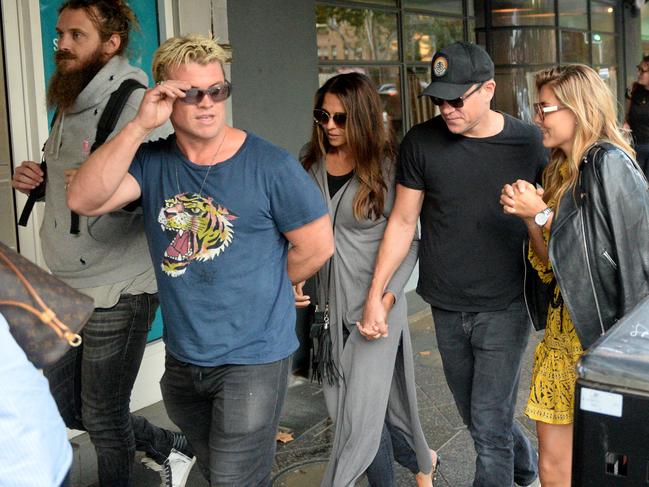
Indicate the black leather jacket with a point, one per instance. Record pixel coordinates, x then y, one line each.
599 242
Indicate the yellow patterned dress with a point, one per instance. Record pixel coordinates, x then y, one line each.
552 391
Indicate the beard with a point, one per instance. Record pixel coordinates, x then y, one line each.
66 85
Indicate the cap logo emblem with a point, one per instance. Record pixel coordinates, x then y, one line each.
440 66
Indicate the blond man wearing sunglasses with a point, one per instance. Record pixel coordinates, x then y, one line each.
220 207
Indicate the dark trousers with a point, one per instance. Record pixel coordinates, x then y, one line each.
230 415
481 355
92 387
642 157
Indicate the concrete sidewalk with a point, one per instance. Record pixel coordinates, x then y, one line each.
300 462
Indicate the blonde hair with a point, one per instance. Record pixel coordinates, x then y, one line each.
581 90
191 48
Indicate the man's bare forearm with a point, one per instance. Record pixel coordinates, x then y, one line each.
102 173
392 251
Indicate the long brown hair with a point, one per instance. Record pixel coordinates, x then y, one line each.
581 90
370 143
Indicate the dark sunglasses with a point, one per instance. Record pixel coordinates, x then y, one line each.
217 92
641 69
457 102
322 117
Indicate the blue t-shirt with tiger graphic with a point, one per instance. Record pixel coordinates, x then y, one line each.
219 253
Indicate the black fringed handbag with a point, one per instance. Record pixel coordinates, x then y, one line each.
45 315
323 365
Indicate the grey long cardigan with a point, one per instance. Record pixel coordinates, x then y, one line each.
379 377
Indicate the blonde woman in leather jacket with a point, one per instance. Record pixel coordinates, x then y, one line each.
589 240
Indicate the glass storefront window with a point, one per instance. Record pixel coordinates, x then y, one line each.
515 91
421 108
522 12
356 34
609 75
388 84
391 3
603 49
574 47
524 46
442 6
602 17
425 34
573 14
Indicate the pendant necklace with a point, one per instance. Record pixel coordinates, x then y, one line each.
200 191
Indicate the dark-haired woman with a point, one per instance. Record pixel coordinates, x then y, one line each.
372 396
637 114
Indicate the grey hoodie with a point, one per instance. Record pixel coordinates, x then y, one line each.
111 248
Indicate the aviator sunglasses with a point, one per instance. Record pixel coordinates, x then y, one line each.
457 102
322 117
217 92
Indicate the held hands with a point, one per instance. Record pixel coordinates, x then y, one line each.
301 300
27 176
158 102
373 325
522 199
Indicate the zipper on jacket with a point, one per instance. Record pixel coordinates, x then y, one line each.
590 272
608 257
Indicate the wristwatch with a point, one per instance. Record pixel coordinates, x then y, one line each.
541 218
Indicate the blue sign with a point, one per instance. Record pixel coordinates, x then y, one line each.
143 43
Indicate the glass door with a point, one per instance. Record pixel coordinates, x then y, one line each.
7 205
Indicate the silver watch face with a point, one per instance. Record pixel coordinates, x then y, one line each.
541 218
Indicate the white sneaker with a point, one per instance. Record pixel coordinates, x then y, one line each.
174 472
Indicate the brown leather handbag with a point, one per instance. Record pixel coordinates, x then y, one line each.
45 315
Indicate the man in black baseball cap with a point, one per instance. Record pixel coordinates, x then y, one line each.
451 170
456 68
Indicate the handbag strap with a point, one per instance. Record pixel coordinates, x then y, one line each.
46 314
333 225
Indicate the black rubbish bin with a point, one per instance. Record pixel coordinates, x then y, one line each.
611 431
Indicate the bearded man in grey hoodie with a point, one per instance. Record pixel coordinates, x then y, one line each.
106 257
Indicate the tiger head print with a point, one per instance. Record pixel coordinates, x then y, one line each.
203 230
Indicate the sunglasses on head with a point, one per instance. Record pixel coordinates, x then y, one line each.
457 102
217 92
322 117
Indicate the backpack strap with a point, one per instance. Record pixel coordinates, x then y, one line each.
106 125
38 193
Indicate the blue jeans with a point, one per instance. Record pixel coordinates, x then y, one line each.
92 387
481 355
393 446
230 415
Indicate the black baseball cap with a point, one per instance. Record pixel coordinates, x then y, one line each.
455 68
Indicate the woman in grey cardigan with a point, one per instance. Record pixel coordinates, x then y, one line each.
371 395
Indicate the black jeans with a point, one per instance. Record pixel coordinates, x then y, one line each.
230 415
92 387
481 355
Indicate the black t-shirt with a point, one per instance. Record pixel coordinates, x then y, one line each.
470 254
337 182
638 117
